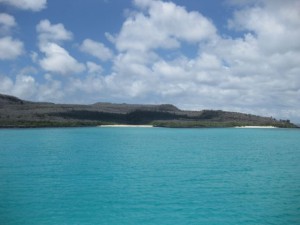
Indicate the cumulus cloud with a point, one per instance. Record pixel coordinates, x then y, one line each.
24 86
34 5
92 84
7 20
96 49
139 71
10 48
163 25
6 23
6 84
51 90
275 24
58 60
94 68
48 32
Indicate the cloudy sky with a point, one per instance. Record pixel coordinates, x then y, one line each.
236 55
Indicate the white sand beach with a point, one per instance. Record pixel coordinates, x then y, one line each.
261 127
125 125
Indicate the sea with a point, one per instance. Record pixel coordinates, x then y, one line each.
143 176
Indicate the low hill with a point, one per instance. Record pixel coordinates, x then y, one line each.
15 112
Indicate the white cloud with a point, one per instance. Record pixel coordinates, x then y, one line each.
34 56
110 37
94 68
52 32
28 88
6 84
34 5
144 3
96 49
10 48
275 23
24 87
6 23
163 25
92 84
134 63
58 60
51 90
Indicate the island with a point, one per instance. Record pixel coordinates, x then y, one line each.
18 113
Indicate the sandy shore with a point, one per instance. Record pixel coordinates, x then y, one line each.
125 125
263 127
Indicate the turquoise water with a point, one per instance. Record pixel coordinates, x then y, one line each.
134 176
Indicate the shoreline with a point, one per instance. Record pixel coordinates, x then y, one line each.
259 127
125 125
137 126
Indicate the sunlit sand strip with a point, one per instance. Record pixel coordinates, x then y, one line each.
125 125
263 127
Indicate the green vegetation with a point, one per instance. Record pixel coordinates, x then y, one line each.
35 124
214 124
135 117
169 124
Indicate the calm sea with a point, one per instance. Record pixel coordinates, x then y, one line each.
157 176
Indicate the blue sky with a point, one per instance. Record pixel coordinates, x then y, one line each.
236 55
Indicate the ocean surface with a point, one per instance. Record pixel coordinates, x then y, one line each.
157 176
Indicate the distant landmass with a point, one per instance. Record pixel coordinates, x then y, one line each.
17 113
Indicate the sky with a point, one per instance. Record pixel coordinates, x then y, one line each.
233 55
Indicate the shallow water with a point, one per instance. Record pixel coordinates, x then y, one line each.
85 176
